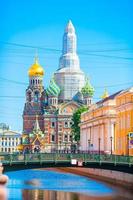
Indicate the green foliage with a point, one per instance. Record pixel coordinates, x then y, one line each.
76 120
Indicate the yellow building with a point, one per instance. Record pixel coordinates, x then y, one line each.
124 123
108 125
98 126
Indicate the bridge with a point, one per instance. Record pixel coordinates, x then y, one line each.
18 161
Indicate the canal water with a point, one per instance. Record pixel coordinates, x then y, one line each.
53 185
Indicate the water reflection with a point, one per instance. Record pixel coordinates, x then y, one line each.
52 185
56 195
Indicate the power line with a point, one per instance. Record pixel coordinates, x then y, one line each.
16 97
23 83
57 50
12 81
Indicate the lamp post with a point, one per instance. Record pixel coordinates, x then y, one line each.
111 139
128 145
60 146
89 145
65 146
99 146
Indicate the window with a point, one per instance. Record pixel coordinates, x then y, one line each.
29 96
65 138
66 124
53 138
36 97
71 124
52 124
70 138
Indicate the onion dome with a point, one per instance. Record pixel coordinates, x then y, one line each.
20 147
53 89
105 94
36 69
87 90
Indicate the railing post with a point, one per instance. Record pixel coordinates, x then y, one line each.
25 159
100 162
10 159
85 158
115 160
40 157
129 164
55 158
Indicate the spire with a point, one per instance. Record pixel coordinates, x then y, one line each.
69 28
69 57
36 57
36 125
105 94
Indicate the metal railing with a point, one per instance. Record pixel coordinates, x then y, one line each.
64 158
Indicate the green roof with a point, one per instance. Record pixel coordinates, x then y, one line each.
87 90
53 89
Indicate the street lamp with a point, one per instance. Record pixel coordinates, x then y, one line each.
99 145
89 141
60 146
111 139
65 146
128 145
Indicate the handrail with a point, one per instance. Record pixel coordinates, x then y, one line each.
64 157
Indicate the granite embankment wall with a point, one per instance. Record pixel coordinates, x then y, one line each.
110 176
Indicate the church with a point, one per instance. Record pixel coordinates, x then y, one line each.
48 111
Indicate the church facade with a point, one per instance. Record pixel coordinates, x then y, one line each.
48 111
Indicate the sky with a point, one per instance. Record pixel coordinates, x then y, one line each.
104 31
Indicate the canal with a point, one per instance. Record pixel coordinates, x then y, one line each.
53 185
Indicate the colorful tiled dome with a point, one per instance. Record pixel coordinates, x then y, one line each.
53 89
87 89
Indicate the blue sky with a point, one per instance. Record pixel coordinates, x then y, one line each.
104 30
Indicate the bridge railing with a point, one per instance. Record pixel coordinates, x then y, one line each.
64 157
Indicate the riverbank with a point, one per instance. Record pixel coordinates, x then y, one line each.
109 176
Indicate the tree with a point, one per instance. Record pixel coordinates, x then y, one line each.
75 122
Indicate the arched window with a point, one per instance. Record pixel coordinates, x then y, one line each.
33 81
36 96
29 96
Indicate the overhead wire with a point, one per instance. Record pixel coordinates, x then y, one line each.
58 50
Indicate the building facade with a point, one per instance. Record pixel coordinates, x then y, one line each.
124 124
53 106
108 125
98 126
9 140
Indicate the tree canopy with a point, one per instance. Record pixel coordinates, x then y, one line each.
75 122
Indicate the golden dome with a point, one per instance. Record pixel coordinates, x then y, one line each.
36 69
20 147
105 94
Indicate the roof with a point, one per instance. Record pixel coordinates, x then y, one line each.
10 133
109 97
